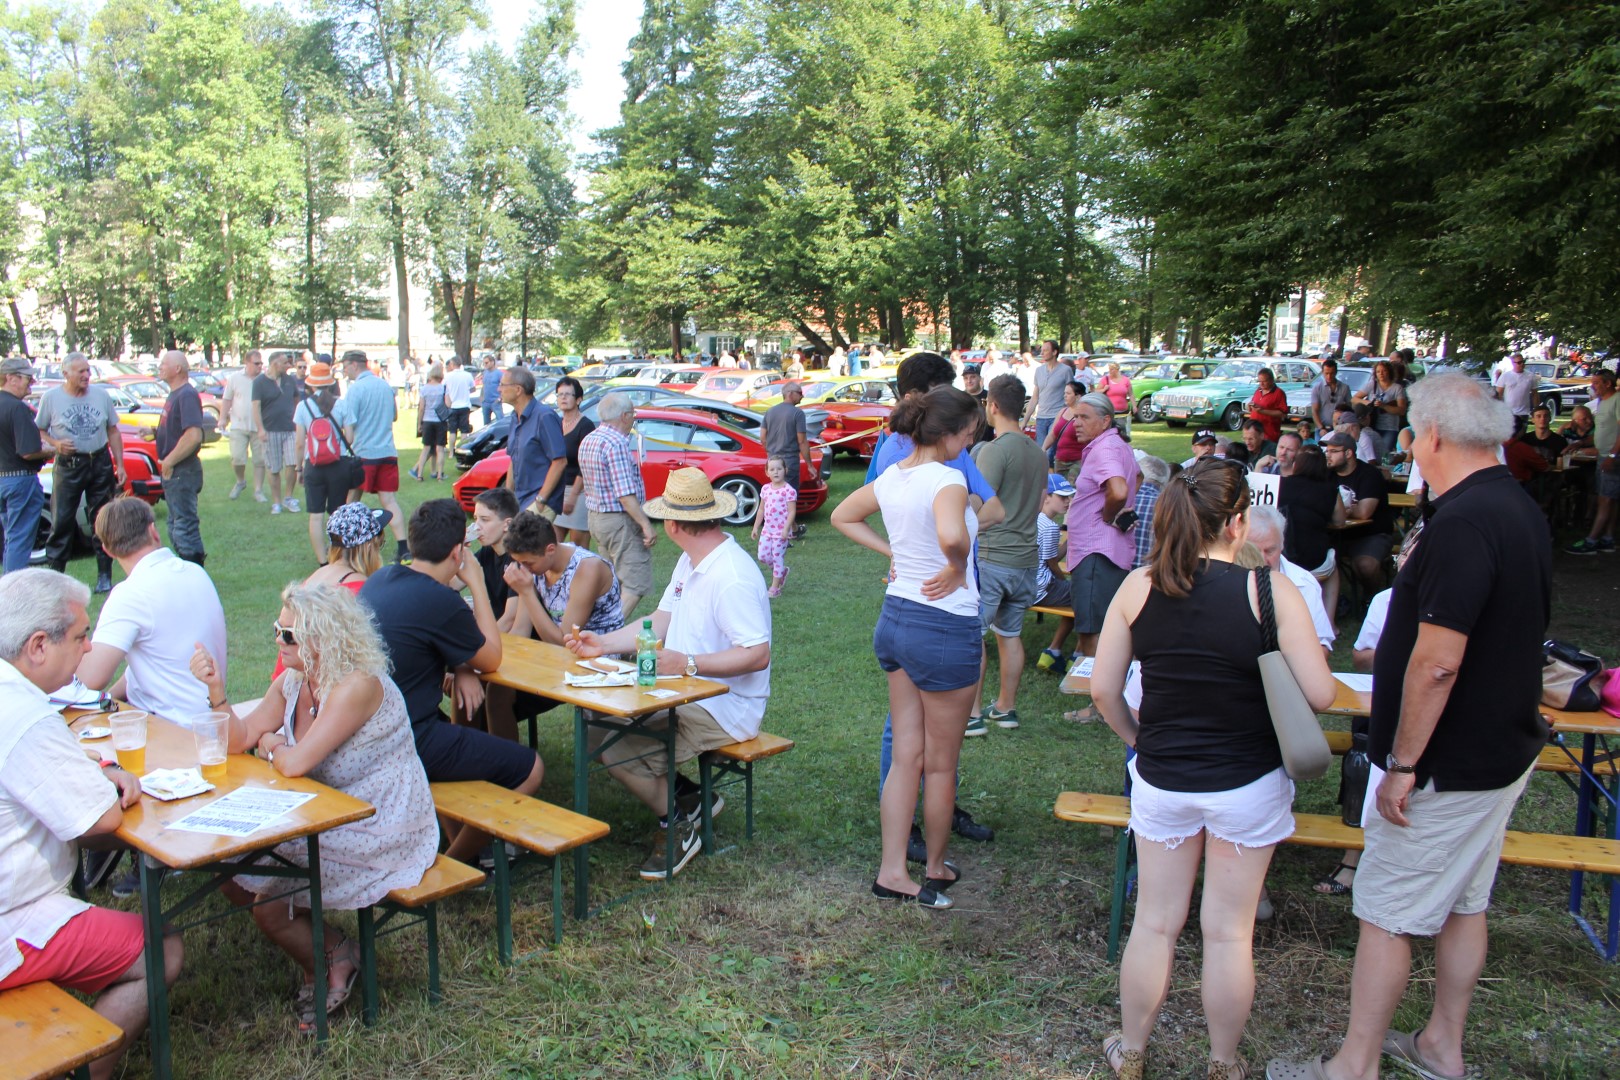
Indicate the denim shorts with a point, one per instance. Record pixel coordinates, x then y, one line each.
936 649
1006 593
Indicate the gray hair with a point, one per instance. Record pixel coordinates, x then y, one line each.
1267 519
1100 403
522 377
74 358
1460 410
36 601
613 406
179 358
1155 470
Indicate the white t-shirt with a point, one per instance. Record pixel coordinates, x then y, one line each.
1518 391
716 605
906 497
458 385
157 616
241 388
1372 627
1311 589
50 795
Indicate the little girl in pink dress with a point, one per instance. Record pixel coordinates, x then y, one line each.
773 524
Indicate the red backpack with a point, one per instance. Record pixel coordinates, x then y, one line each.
323 441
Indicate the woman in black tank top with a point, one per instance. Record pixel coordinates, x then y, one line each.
1210 789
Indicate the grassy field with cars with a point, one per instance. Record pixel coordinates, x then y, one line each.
773 960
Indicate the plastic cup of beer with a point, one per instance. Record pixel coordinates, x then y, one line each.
129 740
213 734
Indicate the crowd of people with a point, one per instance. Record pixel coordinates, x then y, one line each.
1175 583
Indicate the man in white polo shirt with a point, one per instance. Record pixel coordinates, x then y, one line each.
153 620
714 621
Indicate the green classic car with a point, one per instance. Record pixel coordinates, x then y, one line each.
1154 375
1223 397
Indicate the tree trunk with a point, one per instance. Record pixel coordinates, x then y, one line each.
402 284
1344 326
1195 337
523 320
810 335
897 326
22 330
1375 330
675 351
1304 302
309 247
230 278
70 311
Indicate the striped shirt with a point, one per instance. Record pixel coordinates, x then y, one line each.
609 469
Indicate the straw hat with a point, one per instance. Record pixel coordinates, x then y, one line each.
688 496
319 375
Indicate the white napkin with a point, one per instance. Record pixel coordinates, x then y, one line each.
166 785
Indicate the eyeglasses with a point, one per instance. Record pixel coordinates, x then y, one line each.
283 633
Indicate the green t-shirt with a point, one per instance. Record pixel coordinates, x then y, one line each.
1015 468
1606 426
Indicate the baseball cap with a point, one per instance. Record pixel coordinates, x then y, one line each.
1056 485
17 365
971 369
1204 435
1339 439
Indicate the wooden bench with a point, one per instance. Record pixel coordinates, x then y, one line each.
737 761
407 907
1047 609
1552 851
536 827
1552 759
49 1032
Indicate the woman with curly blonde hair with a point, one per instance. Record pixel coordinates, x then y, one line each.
334 715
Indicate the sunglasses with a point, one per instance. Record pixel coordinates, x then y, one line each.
283 633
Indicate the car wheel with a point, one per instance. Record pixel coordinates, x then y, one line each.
1145 412
1232 418
1552 403
747 493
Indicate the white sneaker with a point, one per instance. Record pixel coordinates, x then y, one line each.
241 486
291 505
259 496
275 508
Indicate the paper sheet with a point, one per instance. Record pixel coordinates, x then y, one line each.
1355 680
1083 668
243 812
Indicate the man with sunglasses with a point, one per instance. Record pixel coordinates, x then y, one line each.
153 620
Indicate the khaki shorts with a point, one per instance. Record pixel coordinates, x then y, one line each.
619 538
696 733
241 445
1411 880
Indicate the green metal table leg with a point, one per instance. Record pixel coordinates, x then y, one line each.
582 805
748 801
556 902
318 924
669 802
431 917
368 966
503 904
706 795
1122 871
157 990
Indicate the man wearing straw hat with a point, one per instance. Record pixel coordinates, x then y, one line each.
714 621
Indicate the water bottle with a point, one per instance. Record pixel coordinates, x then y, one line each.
1354 773
646 655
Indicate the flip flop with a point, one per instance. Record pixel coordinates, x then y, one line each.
1313 1069
1404 1049
1087 715
1332 886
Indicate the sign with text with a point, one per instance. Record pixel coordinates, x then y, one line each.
1263 489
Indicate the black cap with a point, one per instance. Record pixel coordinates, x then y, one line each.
1203 435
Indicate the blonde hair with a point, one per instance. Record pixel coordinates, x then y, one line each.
436 373
365 559
336 635
1248 556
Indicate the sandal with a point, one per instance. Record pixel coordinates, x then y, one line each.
1131 1064
1404 1049
1332 886
336 997
1221 1070
1087 715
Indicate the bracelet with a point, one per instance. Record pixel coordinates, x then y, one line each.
219 703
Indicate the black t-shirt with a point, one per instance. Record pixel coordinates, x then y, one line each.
181 410
19 435
428 630
1481 567
1549 447
277 399
494 566
1308 506
1368 483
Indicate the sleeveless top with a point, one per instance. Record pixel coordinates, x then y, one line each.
1205 725
605 615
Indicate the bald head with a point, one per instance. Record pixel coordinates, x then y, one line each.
173 367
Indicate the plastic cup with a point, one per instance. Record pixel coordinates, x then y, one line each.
213 733
129 740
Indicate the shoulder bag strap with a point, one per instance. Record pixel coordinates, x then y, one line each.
315 404
1268 612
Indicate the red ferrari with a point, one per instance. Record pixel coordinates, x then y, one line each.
667 439
855 427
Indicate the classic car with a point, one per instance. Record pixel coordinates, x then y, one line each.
1153 376
1222 397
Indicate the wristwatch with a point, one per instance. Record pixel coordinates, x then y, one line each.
1394 766
691 666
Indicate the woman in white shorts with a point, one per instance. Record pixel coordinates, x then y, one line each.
1208 787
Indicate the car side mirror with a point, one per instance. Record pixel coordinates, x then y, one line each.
135 408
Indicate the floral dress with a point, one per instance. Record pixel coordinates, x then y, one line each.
363 861
775 505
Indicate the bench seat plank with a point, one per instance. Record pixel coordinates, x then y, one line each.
763 745
445 877
50 1032
518 819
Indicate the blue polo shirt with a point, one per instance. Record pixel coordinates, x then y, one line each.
492 387
893 448
535 442
369 405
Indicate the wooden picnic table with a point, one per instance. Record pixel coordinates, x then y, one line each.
146 829
539 668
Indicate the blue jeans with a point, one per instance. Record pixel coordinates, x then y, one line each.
492 412
21 500
180 491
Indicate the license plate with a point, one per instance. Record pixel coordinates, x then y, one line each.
1176 414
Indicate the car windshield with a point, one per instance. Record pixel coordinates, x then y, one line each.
147 389
814 389
1237 369
724 382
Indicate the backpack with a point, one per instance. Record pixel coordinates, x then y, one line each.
323 441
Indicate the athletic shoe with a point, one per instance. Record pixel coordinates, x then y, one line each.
259 496
687 844
275 508
238 488
1605 545
414 475
975 727
963 825
127 884
689 807
916 849
1048 658
1584 546
291 504
1008 719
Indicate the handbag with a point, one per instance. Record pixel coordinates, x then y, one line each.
1305 751
1571 677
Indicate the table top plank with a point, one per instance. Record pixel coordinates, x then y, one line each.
146 824
538 667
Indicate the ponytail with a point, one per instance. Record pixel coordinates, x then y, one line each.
1189 515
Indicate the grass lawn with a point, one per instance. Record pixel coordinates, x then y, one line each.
775 961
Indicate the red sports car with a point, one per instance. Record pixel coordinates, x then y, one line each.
142 479
667 439
855 427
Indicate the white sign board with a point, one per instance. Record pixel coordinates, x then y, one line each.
1263 489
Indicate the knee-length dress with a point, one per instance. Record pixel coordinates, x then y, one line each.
363 861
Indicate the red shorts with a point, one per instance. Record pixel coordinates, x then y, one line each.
382 474
87 954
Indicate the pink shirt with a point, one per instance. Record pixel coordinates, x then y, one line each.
1118 391
1104 458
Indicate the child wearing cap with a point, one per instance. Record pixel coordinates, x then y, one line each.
1051 577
